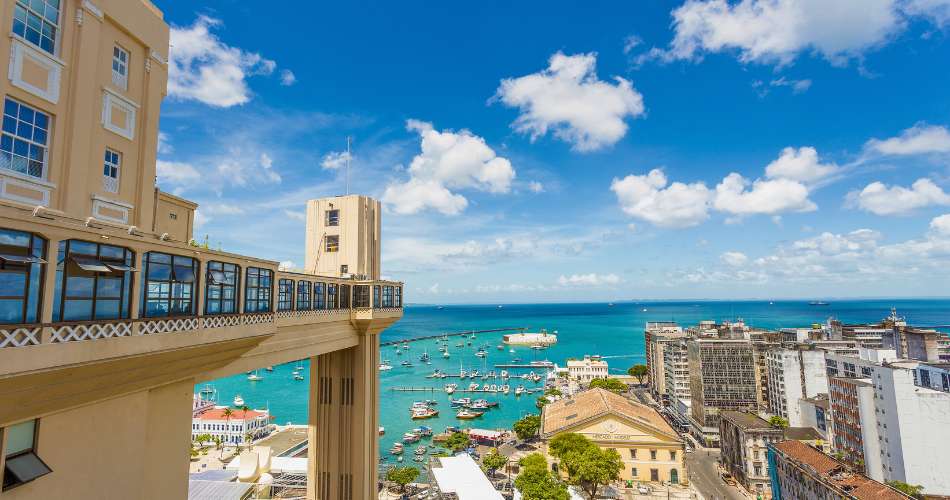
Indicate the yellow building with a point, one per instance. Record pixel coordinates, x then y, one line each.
650 449
109 317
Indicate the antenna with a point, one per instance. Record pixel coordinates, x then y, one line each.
348 141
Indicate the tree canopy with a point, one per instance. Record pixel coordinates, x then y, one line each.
402 475
457 441
527 427
778 422
611 384
594 467
567 446
494 460
638 371
536 482
914 490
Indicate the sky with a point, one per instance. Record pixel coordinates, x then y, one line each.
577 151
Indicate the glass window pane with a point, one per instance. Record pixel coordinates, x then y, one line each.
77 310
19 437
159 271
12 283
79 286
11 310
109 287
107 309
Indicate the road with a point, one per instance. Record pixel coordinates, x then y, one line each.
704 476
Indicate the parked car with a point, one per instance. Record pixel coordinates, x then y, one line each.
643 489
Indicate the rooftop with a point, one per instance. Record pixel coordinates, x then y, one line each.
462 475
594 403
218 414
837 474
747 421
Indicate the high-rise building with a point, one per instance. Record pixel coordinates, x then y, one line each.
343 237
676 370
657 335
744 440
110 315
855 432
722 377
794 374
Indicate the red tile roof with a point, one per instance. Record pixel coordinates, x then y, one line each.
218 414
835 473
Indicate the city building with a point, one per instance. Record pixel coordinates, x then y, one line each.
816 414
587 369
460 478
676 370
651 450
855 433
794 374
800 472
239 427
343 237
657 334
761 345
112 316
744 440
722 377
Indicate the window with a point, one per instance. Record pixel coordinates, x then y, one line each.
110 171
633 454
258 290
673 456
93 281
285 295
221 288
319 296
21 273
652 454
377 294
387 296
654 475
303 296
633 472
344 269
120 67
344 296
361 296
331 296
333 217
37 22
170 284
24 138
333 243
398 300
22 463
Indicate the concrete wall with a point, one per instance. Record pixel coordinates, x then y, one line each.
175 216
358 232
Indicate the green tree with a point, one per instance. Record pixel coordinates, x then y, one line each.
594 467
228 412
494 461
458 441
533 461
914 490
611 384
778 422
554 391
402 476
217 443
567 446
527 427
541 402
536 482
638 371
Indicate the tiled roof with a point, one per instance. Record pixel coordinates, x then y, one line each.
218 414
594 403
835 473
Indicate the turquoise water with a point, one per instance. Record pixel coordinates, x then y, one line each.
614 332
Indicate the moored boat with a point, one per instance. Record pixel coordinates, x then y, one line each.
467 415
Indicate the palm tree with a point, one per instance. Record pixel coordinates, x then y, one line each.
245 409
227 418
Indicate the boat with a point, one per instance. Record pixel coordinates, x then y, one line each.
474 374
493 388
481 354
519 391
405 346
473 386
450 388
420 450
410 437
473 336
505 389
512 350
399 459
298 376
504 374
500 347
398 352
480 404
382 430
445 354
460 344
818 303
460 402
255 377
418 459
421 414
467 415
238 401
382 366
269 368
423 431
397 449
425 357
406 363
538 347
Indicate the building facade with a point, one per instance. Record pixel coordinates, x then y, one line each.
656 335
676 370
722 377
110 316
794 374
650 449
744 440
587 369
241 426
856 437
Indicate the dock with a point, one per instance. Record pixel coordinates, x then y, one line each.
543 365
456 334
468 391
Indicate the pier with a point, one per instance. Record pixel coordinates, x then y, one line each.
446 335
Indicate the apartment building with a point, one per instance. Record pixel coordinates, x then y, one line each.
794 374
816 414
656 335
587 369
854 423
744 440
676 370
800 472
722 377
761 345
110 316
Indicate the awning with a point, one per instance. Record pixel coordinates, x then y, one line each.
120 267
21 259
91 264
217 278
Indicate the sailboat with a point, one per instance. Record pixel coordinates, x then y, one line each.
255 377
238 401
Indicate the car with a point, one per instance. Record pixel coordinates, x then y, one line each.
643 489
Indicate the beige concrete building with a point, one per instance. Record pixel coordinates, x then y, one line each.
722 377
651 450
343 236
109 317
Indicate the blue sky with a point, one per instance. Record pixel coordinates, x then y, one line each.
554 151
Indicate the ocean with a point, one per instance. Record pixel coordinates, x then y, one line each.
613 331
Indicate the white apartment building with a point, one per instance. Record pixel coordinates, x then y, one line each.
656 335
231 429
676 369
587 369
794 374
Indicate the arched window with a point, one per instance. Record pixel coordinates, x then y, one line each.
93 281
169 286
303 296
319 296
258 290
22 262
285 295
221 288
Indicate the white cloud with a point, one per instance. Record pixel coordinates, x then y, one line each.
176 172
941 225
630 43
569 100
919 139
797 86
221 209
772 196
164 144
649 198
448 160
203 68
778 31
335 160
266 160
734 259
881 199
591 279
296 215
937 10
287 78
535 187
800 165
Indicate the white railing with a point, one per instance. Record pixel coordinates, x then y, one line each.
20 336
258 318
89 331
166 325
221 321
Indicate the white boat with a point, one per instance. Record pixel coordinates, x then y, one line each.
462 374
255 377
473 386
298 377
269 368
445 354
512 350
493 388
481 354
382 366
519 391
505 389
450 388
504 374
238 401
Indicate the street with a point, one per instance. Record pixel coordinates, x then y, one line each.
704 476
